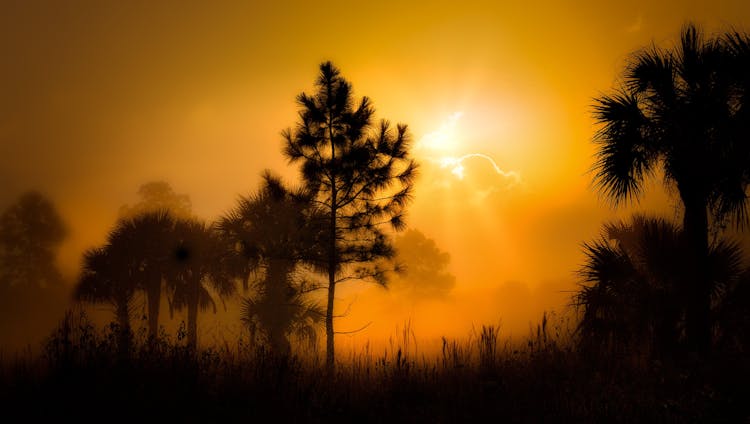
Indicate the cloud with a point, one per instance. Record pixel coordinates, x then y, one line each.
458 169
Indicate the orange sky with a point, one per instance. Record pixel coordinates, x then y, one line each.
98 97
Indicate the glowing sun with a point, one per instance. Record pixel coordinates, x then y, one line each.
442 147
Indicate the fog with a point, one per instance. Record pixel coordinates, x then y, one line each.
98 99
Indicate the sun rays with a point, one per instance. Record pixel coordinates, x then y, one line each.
445 148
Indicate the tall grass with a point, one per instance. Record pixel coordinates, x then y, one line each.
84 374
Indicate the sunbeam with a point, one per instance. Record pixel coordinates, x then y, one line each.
440 146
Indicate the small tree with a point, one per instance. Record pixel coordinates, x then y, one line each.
362 177
275 232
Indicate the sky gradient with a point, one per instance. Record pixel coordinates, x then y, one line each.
97 98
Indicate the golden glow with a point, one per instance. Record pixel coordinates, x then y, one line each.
444 144
444 139
456 165
96 101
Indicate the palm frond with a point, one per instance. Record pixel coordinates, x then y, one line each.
624 158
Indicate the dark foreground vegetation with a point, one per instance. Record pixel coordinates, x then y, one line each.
84 376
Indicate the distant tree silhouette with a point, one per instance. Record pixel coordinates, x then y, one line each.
197 268
31 231
634 298
32 291
276 232
425 267
361 176
685 109
159 196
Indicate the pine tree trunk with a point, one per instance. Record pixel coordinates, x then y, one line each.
329 316
332 259
699 294
330 357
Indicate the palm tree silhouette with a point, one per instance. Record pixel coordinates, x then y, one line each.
280 312
107 278
684 110
633 297
276 231
197 267
149 236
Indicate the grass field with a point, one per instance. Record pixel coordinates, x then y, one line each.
85 376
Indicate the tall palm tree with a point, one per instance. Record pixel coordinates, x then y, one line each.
198 267
684 110
276 231
632 294
148 236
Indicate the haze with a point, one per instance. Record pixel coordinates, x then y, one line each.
97 98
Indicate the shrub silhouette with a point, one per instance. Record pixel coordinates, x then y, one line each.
633 298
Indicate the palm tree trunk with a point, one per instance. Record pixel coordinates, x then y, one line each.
192 318
123 321
153 293
123 317
277 295
695 224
